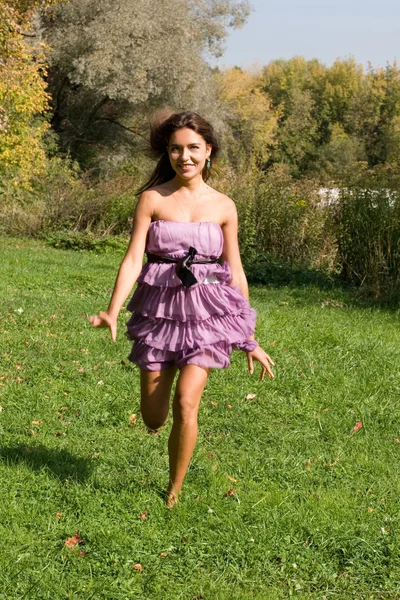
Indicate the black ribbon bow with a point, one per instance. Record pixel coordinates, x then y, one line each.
182 268
183 265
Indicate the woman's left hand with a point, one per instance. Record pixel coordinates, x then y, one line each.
263 358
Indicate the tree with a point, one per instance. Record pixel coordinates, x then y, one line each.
298 134
113 62
23 97
375 115
249 115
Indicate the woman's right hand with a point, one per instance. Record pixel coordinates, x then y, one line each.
103 319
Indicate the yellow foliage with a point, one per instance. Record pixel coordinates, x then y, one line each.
23 97
252 120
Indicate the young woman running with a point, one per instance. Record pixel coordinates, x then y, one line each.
190 308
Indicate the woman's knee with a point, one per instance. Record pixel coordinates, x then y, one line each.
153 419
185 408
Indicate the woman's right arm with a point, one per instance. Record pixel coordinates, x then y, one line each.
130 267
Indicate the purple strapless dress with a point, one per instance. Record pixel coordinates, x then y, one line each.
175 325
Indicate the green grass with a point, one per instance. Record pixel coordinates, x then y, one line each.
315 512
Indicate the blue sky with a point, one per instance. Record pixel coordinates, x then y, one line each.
325 29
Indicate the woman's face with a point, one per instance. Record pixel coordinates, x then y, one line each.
188 152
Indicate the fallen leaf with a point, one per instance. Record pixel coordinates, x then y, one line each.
132 420
326 410
229 406
230 492
58 515
370 509
81 370
137 567
84 350
307 464
73 541
143 516
18 366
32 432
82 553
36 422
59 434
397 440
163 555
53 317
232 479
251 396
152 432
100 382
357 426
214 403
273 343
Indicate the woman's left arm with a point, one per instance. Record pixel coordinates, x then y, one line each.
230 252
231 255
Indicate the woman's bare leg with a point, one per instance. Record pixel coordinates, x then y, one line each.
155 391
182 440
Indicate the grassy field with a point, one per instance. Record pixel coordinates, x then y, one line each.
286 495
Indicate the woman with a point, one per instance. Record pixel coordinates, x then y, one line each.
191 304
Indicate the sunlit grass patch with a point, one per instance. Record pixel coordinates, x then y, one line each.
286 494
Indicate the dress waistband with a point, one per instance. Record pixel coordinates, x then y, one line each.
183 264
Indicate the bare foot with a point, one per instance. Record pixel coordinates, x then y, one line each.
171 496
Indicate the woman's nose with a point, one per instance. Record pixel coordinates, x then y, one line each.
185 153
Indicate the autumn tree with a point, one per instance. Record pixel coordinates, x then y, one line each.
114 62
317 131
23 96
248 112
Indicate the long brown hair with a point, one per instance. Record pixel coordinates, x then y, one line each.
161 131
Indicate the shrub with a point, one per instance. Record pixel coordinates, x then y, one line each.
368 232
64 199
283 218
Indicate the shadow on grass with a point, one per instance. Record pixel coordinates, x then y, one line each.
60 463
271 271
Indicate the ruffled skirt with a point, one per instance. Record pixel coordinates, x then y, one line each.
174 325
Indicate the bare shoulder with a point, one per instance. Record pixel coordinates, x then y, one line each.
152 198
225 205
148 201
